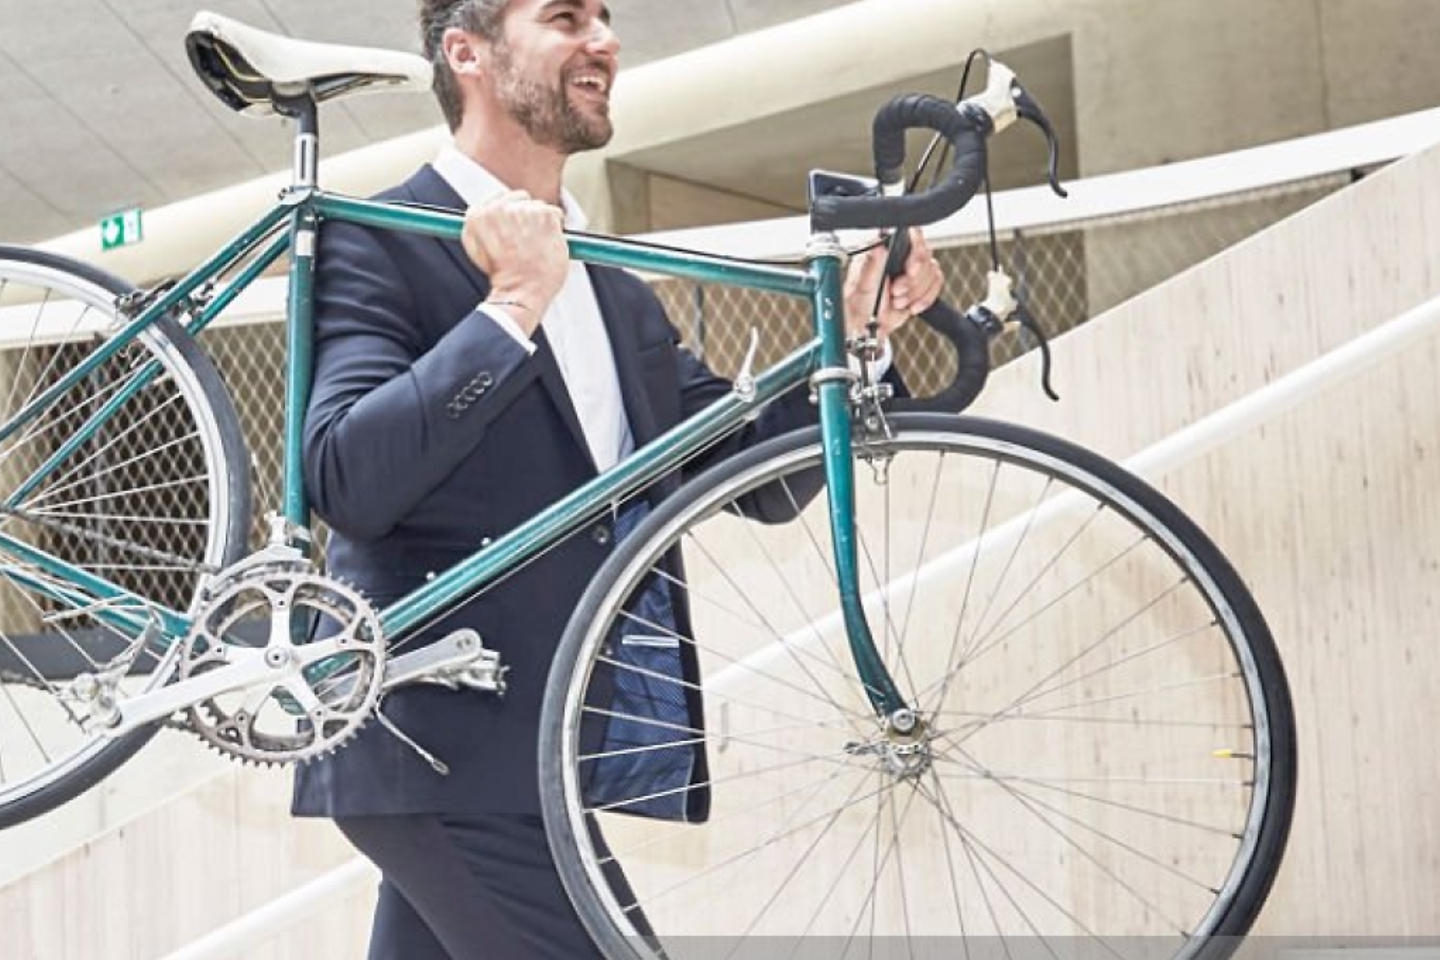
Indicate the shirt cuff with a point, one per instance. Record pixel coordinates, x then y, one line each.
506 322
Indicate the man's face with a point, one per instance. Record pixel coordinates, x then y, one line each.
553 68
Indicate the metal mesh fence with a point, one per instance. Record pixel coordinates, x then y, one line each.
1066 274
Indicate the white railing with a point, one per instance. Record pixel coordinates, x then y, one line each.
280 914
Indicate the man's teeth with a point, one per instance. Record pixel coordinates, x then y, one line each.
595 82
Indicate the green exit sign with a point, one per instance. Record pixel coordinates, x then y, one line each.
121 229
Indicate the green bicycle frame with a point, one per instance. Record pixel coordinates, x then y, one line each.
292 226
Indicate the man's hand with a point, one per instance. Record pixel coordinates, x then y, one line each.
520 243
910 293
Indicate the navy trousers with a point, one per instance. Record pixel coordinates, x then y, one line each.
467 889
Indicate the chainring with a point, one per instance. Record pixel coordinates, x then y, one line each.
324 642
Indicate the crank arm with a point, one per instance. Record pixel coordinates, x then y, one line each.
158 704
457 660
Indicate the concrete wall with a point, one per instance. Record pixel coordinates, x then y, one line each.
728 132
1140 82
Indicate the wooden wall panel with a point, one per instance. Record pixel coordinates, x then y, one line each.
1328 511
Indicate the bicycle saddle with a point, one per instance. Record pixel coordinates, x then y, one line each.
250 70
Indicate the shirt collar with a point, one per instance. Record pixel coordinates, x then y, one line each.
475 184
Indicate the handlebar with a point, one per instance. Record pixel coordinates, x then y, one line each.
966 126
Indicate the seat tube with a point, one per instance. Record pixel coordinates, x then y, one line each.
299 335
832 383
299 327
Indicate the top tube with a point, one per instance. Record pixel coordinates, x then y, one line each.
605 251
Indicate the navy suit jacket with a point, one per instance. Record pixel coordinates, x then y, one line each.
431 431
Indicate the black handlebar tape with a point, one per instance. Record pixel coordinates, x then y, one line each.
899 253
972 348
909 112
966 127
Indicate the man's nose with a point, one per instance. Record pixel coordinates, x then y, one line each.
603 39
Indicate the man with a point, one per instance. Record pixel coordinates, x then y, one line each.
460 388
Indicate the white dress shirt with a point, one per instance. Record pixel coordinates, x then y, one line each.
572 325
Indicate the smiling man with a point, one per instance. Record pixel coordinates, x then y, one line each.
460 388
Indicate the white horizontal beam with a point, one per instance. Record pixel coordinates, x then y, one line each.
277 916
1117 194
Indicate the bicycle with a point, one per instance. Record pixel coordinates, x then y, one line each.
1071 721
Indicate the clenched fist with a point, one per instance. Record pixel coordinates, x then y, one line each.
520 243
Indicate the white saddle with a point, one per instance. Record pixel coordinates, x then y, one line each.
251 70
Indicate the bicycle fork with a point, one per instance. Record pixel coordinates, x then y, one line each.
833 384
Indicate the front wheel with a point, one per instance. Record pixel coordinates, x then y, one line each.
1106 751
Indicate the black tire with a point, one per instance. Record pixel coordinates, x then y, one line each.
162 520
1219 702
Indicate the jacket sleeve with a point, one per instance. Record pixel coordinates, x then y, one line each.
393 409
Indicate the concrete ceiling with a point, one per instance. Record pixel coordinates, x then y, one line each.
99 110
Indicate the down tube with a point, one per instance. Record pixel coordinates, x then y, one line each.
840 485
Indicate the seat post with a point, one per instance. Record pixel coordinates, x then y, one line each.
303 110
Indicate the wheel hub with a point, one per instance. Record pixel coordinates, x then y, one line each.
903 749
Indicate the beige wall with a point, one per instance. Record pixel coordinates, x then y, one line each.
1327 512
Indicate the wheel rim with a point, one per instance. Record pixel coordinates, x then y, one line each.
1063 825
157 520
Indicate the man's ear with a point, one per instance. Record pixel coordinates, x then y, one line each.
467 54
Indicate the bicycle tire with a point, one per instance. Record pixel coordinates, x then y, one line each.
1198 762
157 499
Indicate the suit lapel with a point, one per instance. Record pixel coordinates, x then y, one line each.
554 381
430 189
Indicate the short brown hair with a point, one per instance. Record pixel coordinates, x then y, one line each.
436 16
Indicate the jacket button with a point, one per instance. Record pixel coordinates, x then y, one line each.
600 533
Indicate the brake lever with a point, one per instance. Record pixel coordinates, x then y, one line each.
1022 316
1029 109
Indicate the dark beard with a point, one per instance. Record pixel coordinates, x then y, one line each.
547 115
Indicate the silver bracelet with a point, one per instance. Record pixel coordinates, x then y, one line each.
506 303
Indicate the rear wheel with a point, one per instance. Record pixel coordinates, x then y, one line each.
154 499
1106 752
